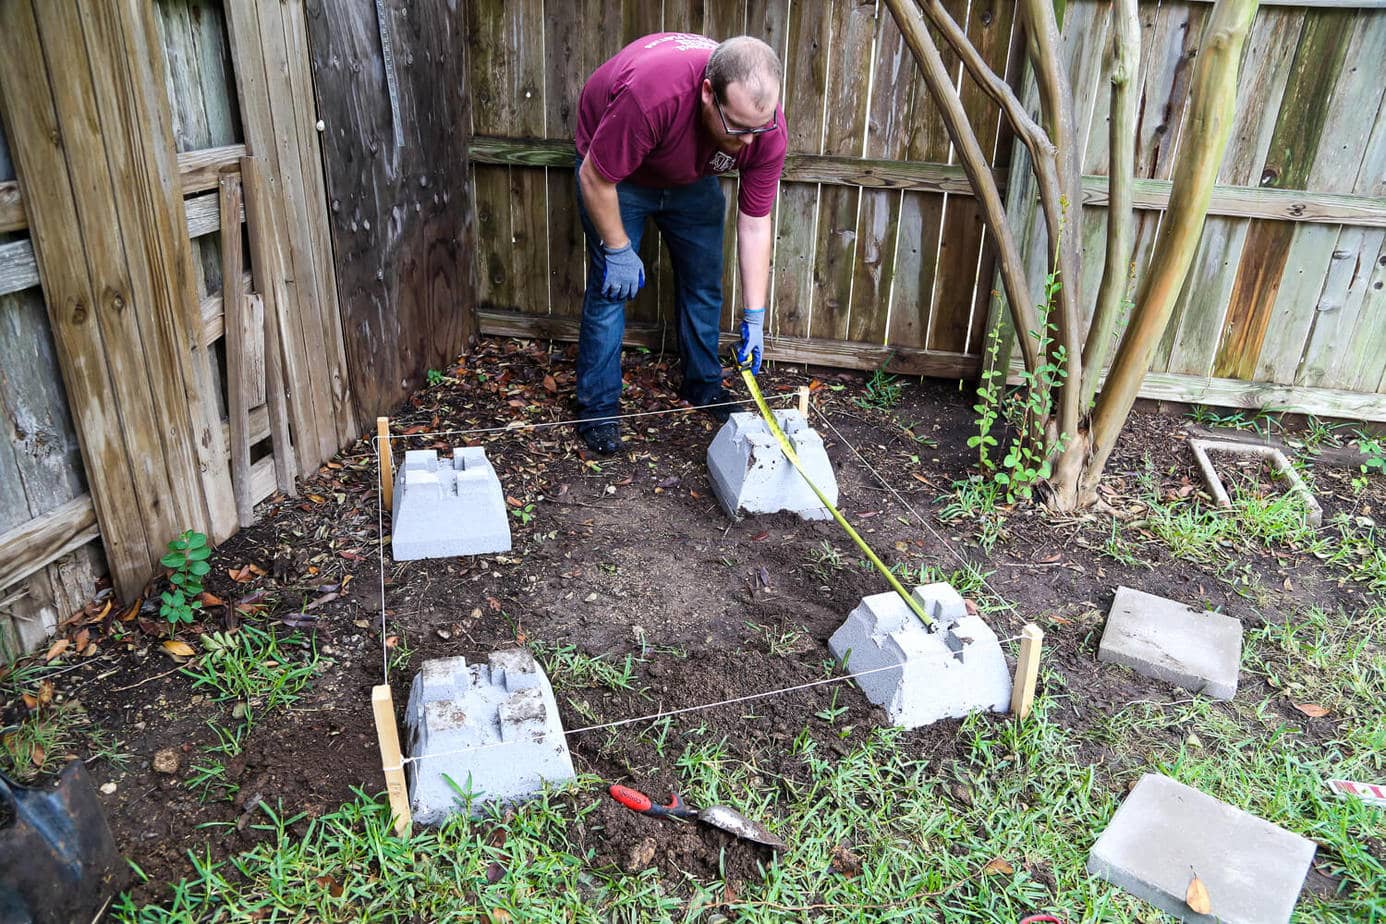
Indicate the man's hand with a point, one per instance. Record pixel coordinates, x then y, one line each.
752 346
625 272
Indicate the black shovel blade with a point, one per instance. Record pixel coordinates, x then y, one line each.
58 861
733 822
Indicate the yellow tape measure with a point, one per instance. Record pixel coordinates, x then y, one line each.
750 379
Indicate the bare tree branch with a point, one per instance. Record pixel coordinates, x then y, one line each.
1126 53
1056 99
1211 108
974 162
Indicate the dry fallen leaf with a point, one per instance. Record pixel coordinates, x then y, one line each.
999 866
177 648
37 755
1312 710
1197 897
57 648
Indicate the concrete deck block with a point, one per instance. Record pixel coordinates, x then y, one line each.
501 717
447 507
750 473
948 673
1169 641
1165 832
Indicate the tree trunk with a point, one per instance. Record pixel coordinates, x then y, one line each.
1211 107
1126 56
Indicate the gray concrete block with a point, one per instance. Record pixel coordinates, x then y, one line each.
1169 641
1165 832
447 507
948 673
750 473
492 726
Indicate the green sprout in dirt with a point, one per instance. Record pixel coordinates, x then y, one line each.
824 560
187 563
1373 450
882 391
523 514
988 407
571 668
254 668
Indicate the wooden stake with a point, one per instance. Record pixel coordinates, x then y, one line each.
1026 670
804 401
383 705
387 461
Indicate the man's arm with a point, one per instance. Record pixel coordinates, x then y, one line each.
603 207
753 243
754 238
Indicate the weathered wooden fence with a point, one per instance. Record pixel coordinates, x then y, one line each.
127 125
880 255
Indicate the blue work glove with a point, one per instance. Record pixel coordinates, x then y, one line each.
625 272
752 345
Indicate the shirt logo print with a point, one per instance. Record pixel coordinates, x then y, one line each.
721 162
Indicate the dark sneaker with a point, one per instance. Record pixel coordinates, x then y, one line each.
604 439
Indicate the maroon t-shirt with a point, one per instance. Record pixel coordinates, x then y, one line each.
638 120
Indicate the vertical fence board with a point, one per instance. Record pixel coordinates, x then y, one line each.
989 29
566 28
1190 342
32 128
1337 165
804 86
308 406
400 225
852 30
1349 316
879 221
1298 132
921 213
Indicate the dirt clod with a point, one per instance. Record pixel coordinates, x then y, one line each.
166 761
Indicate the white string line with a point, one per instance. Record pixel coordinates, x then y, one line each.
904 503
516 426
512 428
671 712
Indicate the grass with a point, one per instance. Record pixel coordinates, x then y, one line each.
778 643
882 391
254 668
47 727
979 500
824 561
999 832
571 668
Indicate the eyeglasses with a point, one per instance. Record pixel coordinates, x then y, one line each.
734 132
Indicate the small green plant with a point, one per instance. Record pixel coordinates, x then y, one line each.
988 407
523 514
571 668
1374 450
255 668
435 377
882 391
824 560
209 779
778 643
187 563
832 712
976 499
1026 461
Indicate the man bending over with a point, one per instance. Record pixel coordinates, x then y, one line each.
656 125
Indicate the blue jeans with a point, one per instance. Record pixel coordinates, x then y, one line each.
691 220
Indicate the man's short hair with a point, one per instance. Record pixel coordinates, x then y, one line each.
750 62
